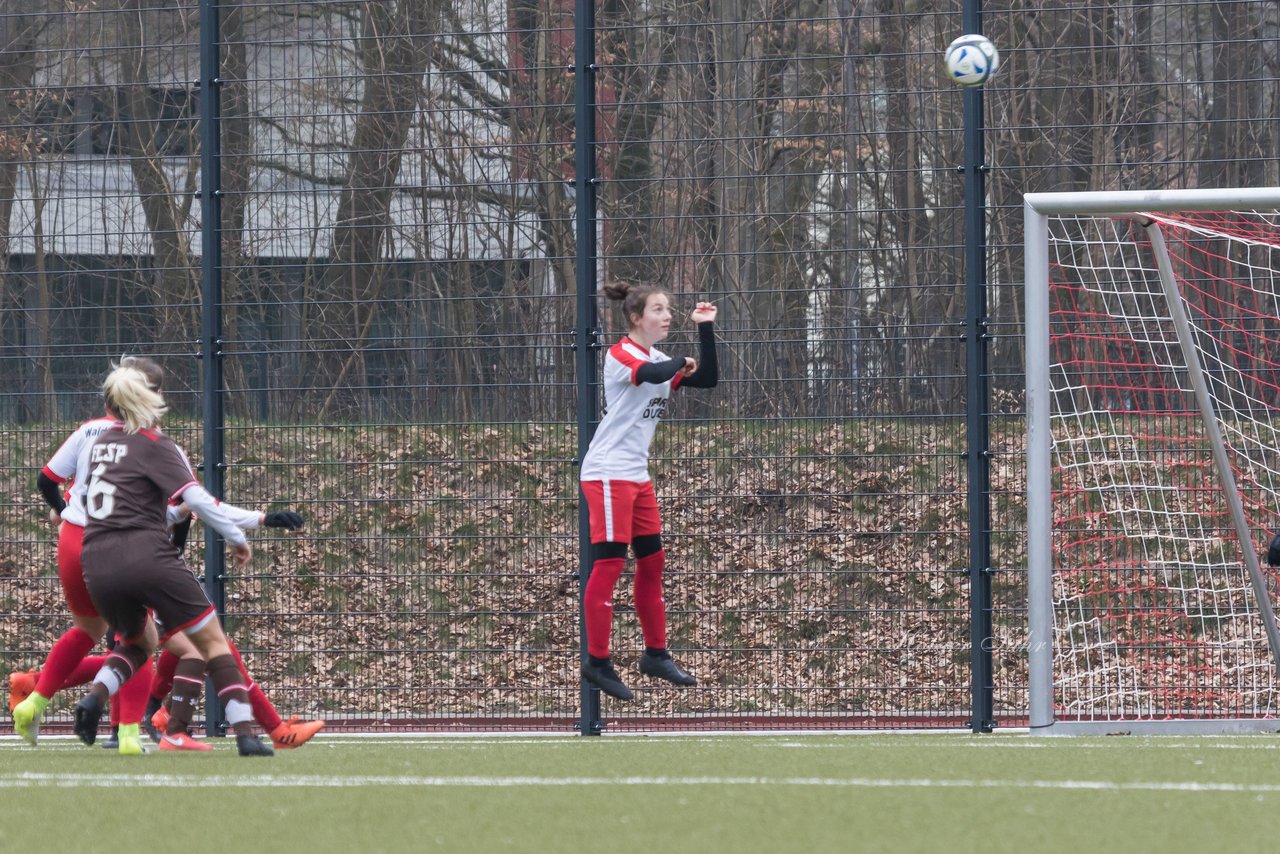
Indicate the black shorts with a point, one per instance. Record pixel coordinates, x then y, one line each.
129 571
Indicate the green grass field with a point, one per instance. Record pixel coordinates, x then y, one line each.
658 795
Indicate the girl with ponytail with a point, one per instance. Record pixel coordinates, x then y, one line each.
621 503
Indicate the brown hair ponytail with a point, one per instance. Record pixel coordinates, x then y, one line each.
633 297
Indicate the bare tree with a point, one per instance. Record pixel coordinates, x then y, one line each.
394 49
18 58
166 207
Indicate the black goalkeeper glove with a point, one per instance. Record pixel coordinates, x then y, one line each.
1273 552
286 519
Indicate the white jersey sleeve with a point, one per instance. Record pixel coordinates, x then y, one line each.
245 520
71 460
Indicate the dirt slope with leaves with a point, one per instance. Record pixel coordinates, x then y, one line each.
814 568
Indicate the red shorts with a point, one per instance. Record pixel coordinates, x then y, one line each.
621 510
71 572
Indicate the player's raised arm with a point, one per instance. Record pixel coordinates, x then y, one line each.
707 370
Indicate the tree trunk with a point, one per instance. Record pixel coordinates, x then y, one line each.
395 48
735 194
172 277
916 298
236 145
17 69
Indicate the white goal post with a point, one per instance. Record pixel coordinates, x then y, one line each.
1153 465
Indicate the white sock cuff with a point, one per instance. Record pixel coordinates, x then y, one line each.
238 712
107 677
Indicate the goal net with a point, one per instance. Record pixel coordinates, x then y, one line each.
1153 399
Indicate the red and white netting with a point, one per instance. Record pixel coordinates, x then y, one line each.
1154 613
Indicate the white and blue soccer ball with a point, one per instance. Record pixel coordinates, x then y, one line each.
971 60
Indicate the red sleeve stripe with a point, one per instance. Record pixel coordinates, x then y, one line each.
183 489
627 359
52 475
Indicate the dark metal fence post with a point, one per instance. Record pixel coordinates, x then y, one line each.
211 311
977 395
585 339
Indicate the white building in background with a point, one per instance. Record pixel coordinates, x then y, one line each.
459 197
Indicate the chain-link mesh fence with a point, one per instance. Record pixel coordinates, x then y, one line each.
398 249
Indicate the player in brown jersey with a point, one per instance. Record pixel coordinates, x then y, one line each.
67 664
131 565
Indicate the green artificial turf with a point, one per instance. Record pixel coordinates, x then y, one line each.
658 795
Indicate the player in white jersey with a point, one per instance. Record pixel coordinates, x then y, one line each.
623 509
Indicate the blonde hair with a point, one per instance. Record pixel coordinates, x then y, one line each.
130 395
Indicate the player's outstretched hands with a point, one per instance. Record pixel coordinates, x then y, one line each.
703 312
286 519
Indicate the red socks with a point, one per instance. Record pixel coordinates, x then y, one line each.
263 712
598 604
165 668
85 671
67 653
651 608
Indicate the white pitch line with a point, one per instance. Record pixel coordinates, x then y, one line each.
94 781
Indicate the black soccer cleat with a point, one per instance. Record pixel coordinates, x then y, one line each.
665 667
87 714
252 745
153 706
114 741
604 677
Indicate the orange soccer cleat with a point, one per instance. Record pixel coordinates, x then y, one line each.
160 720
182 741
294 733
21 684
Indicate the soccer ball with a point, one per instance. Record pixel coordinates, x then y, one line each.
971 60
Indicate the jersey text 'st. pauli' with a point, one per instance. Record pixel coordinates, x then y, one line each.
619 449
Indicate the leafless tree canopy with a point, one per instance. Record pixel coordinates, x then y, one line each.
398 207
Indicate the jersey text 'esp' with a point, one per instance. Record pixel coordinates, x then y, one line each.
619 449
